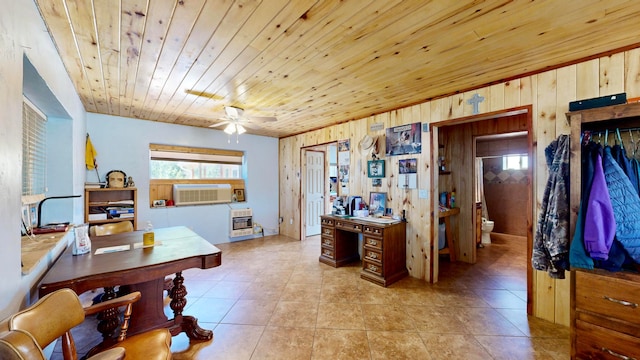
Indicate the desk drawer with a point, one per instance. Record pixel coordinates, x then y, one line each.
328 222
328 253
372 230
328 232
375 243
349 226
608 296
328 242
371 254
595 342
372 266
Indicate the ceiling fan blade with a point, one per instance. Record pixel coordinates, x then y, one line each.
234 112
220 124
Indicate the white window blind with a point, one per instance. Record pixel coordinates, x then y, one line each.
34 158
184 162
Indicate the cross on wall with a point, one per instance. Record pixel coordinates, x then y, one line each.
475 102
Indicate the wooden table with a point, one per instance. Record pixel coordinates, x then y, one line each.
138 269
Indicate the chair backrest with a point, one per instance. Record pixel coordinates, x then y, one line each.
50 317
19 345
111 228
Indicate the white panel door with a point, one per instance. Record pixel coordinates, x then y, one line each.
314 191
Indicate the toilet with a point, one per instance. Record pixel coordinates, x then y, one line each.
487 227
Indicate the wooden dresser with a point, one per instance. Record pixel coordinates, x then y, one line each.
605 306
606 315
383 247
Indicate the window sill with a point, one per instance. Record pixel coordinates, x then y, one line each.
41 247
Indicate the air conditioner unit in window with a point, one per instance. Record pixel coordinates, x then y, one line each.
198 194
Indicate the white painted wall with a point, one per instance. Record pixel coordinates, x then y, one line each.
22 32
123 144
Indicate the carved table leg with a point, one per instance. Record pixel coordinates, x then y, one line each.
188 324
109 318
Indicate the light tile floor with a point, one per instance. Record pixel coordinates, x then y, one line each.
273 299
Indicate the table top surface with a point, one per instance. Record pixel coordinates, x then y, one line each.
173 245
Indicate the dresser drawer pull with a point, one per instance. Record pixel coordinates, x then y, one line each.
613 353
373 255
621 302
372 242
373 267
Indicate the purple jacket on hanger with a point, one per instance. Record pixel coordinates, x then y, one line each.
599 223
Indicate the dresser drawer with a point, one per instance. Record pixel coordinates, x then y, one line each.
328 242
349 226
372 266
326 252
328 232
372 230
371 254
375 243
328 222
595 342
608 296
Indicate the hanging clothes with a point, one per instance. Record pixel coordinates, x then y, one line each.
578 256
626 206
599 222
620 155
551 241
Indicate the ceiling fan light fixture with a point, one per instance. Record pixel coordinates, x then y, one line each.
230 129
240 129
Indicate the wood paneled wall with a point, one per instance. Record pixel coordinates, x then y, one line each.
548 94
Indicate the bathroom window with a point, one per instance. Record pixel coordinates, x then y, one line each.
515 162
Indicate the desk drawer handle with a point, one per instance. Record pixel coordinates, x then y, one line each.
373 255
621 302
373 242
327 232
373 268
613 353
328 242
326 252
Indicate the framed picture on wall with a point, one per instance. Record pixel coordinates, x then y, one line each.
377 203
375 168
239 193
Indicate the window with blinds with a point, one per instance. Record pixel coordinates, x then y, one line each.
34 157
181 162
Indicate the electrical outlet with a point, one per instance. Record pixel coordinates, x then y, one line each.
291 221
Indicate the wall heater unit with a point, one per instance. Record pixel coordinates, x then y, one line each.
241 222
196 194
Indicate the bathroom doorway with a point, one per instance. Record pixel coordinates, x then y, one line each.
502 180
455 140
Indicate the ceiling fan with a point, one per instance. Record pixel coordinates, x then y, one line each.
235 121
235 118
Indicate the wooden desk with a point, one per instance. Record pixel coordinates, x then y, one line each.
450 249
141 269
384 247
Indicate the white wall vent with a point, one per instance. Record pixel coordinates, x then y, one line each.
241 222
197 194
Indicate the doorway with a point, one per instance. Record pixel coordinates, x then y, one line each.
314 191
455 140
318 186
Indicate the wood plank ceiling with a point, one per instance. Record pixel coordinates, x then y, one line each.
314 63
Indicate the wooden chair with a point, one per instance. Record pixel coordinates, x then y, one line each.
54 315
111 228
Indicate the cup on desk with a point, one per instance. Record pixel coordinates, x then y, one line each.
148 239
